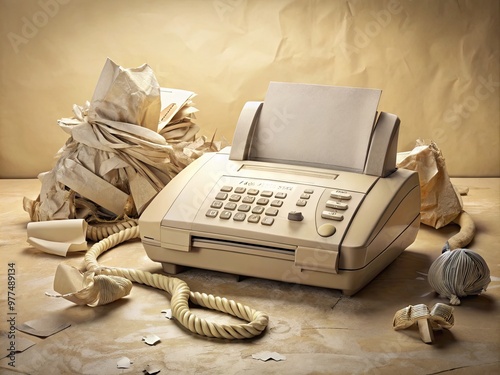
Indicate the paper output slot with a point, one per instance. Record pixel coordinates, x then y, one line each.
242 247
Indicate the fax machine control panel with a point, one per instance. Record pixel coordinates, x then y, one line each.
269 203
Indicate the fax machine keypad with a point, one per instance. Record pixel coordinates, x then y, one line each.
242 204
282 205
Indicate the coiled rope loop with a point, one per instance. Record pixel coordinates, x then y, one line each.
181 295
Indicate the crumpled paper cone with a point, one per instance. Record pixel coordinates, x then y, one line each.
440 202
140 105
115 161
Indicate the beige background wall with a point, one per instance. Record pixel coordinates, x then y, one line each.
437 62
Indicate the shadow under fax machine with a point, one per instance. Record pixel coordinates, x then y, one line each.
308 193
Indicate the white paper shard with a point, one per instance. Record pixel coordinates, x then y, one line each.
151 339
265 356
168 313
124 362
153 368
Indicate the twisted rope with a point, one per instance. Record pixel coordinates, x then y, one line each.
98 232
181 295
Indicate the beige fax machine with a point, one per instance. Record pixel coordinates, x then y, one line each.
308 193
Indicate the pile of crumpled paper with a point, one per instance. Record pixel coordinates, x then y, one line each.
125 145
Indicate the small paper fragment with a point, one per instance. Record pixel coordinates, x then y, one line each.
168 313
265 356
124 362
151 339
153 368
44 327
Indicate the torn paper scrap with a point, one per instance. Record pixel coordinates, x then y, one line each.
153 368
21 344
58 237
168 313
265 356
124 362
44 327
151 339
172 100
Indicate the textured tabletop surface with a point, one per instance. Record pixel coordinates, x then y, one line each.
317 330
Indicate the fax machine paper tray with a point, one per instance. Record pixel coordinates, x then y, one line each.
313 125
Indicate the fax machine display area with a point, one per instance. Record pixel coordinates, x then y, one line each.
248 210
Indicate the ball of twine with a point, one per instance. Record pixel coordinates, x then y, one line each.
459 273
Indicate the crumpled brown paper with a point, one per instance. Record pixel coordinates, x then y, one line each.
440 202
115 161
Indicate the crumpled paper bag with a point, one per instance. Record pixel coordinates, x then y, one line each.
440 202
115 161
